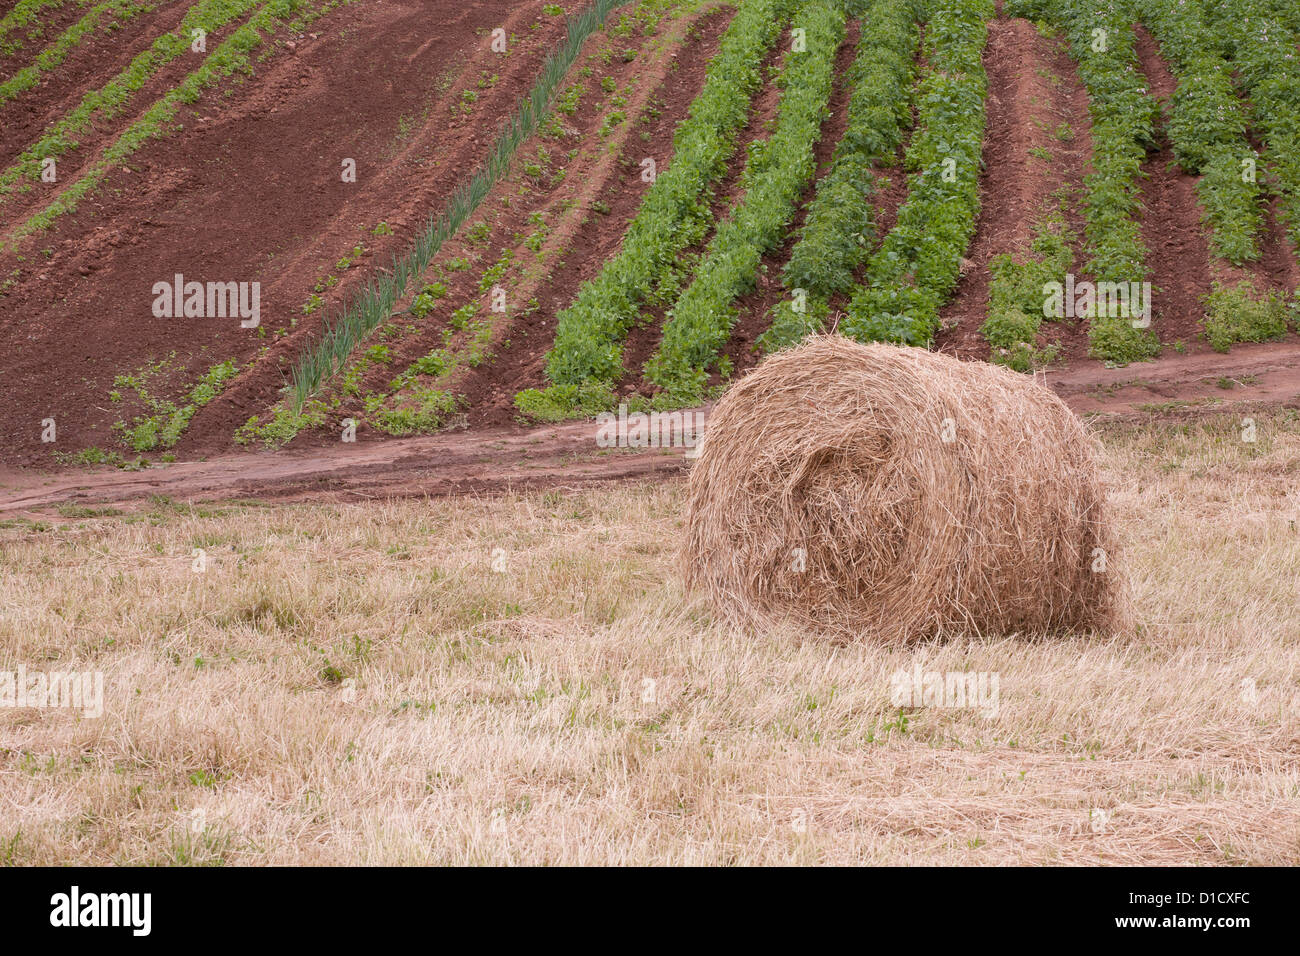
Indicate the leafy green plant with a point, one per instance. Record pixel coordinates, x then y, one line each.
586 357
919 261
1238 313
163 428
776 175
1016 295
1259 40
282 426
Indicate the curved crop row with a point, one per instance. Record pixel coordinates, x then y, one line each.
104 16
839 228
109 100
776 175
587 356
1124 118
1208 126
918 263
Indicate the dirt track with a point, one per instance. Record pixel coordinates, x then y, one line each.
490 460
453 463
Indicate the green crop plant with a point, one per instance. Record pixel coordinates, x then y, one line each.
919 261
1239 313
778 172
1016 294
586 357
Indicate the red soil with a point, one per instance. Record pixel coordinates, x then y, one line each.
251 191
1183 266
1024 108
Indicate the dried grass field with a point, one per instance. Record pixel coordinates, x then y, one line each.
522 679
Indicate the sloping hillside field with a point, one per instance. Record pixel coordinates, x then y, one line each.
234 224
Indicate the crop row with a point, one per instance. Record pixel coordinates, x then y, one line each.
109 100
1208 126
1262 47
1124 118
674 215
918 263
778 171
839 227
104 16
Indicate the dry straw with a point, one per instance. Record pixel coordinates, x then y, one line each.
890 493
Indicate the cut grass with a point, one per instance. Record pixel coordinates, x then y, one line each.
357 684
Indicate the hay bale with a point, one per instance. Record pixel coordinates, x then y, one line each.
891 493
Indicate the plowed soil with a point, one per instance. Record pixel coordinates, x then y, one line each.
248 189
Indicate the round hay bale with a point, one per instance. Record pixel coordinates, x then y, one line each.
891 493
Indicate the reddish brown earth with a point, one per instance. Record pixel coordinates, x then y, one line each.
267 155
1024 109
249 191
485 460
586 201
1183 266
46 27
1178 250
